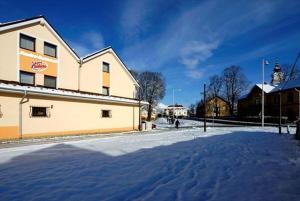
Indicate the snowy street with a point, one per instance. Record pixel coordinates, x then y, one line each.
222 164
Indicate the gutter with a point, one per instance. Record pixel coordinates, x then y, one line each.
66 96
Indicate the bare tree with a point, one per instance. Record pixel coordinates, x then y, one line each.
215 85
235 82
289 73
152 89
192 110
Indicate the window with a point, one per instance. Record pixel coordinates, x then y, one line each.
50 81
39 112
27 42
290 97
106 113
26 78
257 101
49 49
105 67
105 91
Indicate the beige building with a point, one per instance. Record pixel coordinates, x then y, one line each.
46 89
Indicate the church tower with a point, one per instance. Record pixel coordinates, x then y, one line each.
277 76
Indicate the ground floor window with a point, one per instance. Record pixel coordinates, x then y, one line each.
26 78
106 113
40 111
49 81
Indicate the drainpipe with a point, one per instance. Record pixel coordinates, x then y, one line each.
20 113
80 65
139 99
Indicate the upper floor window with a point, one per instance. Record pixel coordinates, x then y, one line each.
49 81
26 78
257 101
105 67
49 49
105 91
27 42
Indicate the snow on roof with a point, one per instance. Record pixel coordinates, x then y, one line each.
65 93
161 106
176 106
267 88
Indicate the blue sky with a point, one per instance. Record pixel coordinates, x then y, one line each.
187 41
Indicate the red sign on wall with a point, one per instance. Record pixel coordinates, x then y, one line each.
38 66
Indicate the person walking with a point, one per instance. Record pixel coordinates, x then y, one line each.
177 123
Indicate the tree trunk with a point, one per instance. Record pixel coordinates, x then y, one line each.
149 112
232 105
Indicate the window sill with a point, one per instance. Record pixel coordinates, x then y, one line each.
27 49
50 56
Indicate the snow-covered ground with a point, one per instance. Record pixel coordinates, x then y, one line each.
162 123
221 164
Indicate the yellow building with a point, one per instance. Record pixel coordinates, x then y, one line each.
215 107
47 90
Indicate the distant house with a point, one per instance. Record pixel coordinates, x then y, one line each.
290 100
250 104
178 110
215 107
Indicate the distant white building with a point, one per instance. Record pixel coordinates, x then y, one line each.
178 110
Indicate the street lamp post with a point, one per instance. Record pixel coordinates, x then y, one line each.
280 111
264 62
204 94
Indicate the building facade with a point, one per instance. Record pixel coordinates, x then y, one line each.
46 89
178 111
250 104
287 94
215 107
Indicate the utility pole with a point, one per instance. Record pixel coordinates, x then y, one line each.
280 112
204 94
298 102
173 103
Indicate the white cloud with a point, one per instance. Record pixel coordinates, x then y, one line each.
195 74
88 42
193 34
134 20
195 52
